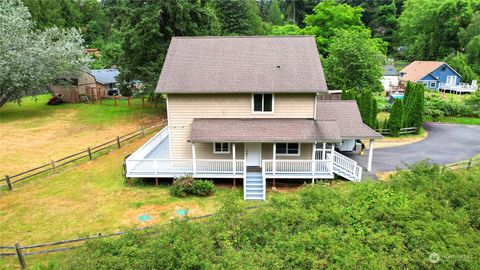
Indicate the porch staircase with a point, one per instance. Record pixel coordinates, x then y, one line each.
254 188
346 167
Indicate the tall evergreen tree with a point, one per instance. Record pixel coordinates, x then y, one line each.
239 17
395 123
368 108
275 15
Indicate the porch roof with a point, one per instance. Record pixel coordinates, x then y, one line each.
264 130
348 118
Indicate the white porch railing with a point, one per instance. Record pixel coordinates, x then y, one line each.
347 166
463 87
184 166
273 167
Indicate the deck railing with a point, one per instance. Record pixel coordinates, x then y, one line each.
297 166
347 164
185 166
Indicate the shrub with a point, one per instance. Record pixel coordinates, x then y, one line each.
187 185
396 120
396 224
202 187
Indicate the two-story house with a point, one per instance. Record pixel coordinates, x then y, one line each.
250 108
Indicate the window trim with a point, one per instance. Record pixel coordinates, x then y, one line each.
221 152
287 154
263 103
432 84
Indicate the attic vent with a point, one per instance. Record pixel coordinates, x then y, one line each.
278 66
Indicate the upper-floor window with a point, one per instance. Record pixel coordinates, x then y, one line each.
262 103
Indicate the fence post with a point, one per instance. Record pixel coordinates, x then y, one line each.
143 131
115 99
21 259
143 102
469 164
9 184
118 142
129 102
53 167
89 153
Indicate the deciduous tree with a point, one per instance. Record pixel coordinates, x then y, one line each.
29 59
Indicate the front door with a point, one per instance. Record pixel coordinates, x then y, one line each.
253 153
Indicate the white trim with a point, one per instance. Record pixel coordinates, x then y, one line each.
315 107
221 152
287 154
430 84
263 103
452 69
168 118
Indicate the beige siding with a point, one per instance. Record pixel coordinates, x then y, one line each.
182 109
305 152
85 80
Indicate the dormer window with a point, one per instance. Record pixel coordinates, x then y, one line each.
262 103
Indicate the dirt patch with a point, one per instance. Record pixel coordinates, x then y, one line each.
399 141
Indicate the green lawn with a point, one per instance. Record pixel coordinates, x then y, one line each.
35 108
460 120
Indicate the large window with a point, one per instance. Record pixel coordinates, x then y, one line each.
221 148
433 84
262 103
288 149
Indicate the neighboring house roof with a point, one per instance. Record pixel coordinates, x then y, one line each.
263 130
105 76
417 70
347 117
389 70
267 64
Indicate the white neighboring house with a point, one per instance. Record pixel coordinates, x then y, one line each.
389 79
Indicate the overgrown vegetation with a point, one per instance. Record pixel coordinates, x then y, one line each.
187 185
438 107
374 225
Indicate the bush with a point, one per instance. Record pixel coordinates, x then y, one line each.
395 123
435 103
396 224
202 187
187 185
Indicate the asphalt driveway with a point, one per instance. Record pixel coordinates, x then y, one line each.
446 143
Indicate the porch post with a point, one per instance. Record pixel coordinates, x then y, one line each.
324 149
194 159
274 154
233 160
370 155
314 148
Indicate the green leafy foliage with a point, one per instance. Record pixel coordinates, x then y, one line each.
436 106
354 60
414 105
395 123
187 185
368 108
459 63
238 17
30 60
372 225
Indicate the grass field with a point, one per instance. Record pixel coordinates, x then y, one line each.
34 133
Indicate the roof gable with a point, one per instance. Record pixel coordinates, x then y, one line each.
419 69
279 64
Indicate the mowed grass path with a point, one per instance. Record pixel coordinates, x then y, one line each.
34 133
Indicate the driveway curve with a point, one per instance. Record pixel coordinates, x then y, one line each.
446 143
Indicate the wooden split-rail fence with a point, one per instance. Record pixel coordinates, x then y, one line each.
88 154
466 164
403 131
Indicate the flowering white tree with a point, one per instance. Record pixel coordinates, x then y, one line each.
30 59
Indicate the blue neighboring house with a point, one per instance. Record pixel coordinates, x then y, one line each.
432 74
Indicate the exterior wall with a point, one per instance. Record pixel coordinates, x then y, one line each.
205 151
183 108
85 80
389 81
443 72
305 152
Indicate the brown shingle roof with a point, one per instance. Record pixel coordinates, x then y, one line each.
419 69
288 64
263 130
347 117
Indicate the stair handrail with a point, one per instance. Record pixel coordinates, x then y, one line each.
355 169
